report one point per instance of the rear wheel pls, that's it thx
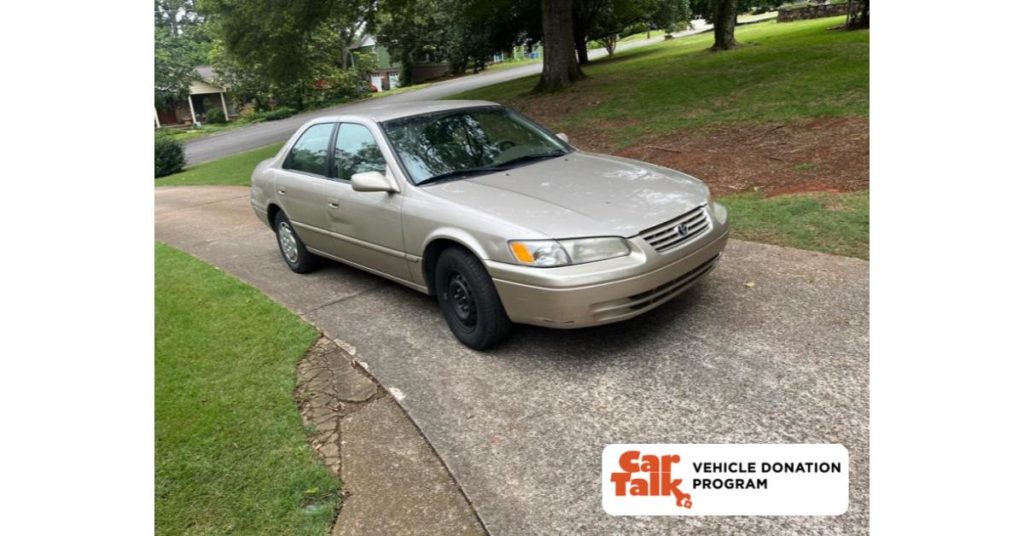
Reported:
(469, 301)
(293, 250)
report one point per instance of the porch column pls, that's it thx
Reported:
(192, 109)
(156, 117)
(224, 104)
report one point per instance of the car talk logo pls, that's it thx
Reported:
(662, 479)
(648, 475)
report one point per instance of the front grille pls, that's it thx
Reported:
(667, 236)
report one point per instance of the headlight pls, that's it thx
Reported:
(584, 250)
(539, 252)
(562, 252)
(720, 213)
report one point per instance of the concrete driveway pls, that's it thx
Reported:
(772, 347)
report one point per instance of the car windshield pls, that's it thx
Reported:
(460, 143)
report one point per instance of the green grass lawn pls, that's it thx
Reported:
(186, 134)
(231, 451)
(234, 170)
(826, 222)
(782, 72)
(641, 36)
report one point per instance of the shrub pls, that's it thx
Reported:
(248, 114)
(280, 113)
(215, 116)
(170, 157)
(635, 29)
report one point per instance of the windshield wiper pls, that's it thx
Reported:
(530, 157)
(462, 173)
(458, 174)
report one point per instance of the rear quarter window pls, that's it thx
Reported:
(310, 152)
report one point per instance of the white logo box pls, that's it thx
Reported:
(798, 480)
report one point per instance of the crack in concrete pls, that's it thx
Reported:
(342, 299)
(331, 389)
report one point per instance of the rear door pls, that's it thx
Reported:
(367, 225)
(299, 184)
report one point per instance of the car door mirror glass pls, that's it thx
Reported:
(371, 181)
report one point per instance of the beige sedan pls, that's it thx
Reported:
(502, 220)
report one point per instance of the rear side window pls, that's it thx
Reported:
(356, 151)
(310, 152)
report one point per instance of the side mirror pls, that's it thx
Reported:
(372, 181)
(563, 136)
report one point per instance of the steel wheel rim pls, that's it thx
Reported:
(460, 297)
(289, 244)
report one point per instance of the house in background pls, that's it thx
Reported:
(388, 69)
(205, 93)
(387, 72)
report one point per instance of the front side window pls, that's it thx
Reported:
(355, 151)
(459, 143)
(309, 154)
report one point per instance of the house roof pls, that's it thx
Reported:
(207, 74)
(366, 40)
(207, 83)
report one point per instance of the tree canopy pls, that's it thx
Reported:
(288, 50)
(301, 50)
(180, 44)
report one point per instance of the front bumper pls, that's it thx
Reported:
(607, 291)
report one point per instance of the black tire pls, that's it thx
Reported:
(294, 253)
(469, 301)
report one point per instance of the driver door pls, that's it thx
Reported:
(366, 226)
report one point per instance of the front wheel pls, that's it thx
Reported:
(469, 301)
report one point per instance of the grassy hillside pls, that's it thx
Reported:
(782, 72)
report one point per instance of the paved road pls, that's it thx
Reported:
(260, 134)
(522, 427)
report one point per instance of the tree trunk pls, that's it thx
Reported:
(346, 39)
(405, 75)
(609, 44)
(580, 38)
(560, 66)
(858, 20)
(724, 19)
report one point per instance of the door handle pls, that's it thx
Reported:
(282, 191)
(332, 204)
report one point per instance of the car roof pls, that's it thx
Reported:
(387, 111)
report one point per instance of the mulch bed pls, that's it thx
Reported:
(817, 155)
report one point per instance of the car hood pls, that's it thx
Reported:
(580, 194)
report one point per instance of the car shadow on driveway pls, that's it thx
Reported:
(602, 342)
